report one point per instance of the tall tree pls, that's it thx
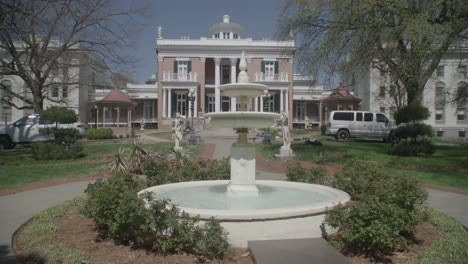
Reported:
(404, 38)
(39, 39)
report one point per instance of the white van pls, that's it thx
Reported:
(345, 124)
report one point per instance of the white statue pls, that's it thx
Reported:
(177, 131)
(286, 135)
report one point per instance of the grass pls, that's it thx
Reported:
(448, 166)
(161, 134)
(37, 239)
(38, 242)
(19, 168)
(450, 247)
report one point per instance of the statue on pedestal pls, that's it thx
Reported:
(178, 131)
(285, 128)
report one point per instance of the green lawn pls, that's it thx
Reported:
(448, 166)
(19, 168)
(161, 134)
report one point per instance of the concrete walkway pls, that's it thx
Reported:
(17, 208)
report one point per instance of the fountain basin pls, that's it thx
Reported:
(282, 210)
(243, 119)
(276, 199)
(243, 89)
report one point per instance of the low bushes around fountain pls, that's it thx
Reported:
(385, 212)
(156, 225)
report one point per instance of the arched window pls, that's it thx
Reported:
(462, 93)
(440, 94)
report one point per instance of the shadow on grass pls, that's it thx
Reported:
(7, 257)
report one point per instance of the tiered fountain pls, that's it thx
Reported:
(249, 209)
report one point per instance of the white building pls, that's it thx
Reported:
(82, 73)
(448, 118)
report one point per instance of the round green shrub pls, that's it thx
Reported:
(120, 214)
(412, 148)
(411, 113)
(413, 131)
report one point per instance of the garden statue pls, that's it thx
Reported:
(285, 150)
(285, 128)
(177, 131)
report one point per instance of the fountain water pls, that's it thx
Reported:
(249, 209)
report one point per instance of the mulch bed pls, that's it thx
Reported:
(79, 232)
(425, 235)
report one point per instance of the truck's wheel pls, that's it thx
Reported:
(6, 143)
(343, 134)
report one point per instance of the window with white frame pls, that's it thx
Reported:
(461, 114)
(269, 69)
(440, 72)
(382, 91)
(148, 109)
(182, 70)
(55, 91)
(269, 103)
(462, 94)
(225, 103)
(462, 71)
(440, 94)
(211, 103)
(440, 133)
(65, 91)
(181, 103)
(439, 114)
(462, 133)
(300, 110)
(7, 109)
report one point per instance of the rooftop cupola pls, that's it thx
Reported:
(225, 29)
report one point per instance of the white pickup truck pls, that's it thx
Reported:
(26, 130)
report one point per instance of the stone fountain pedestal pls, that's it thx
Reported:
(242, 170)
(285, 154)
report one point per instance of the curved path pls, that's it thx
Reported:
(16, 209)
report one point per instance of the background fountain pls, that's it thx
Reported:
(249, 209)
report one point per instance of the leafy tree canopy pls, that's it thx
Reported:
(404, 38)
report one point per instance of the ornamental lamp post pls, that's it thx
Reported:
(191, 98)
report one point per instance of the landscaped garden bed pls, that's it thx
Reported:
(448, 166)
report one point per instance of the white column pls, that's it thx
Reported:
(256, 104)
(164, 103)
(281, 101)
(189, 106)
(320, 112)
(261, 103)
(169, 102)
(97, 117)
(118, 117)
(233, 80)
(217, 83)
(195, 106)
(103, 116)
(286, 105)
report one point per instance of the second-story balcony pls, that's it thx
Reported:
(182, 77)
(262, 77)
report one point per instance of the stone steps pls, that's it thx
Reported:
(295, 251)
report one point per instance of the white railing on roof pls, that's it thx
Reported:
(262, 77)
(191, 76)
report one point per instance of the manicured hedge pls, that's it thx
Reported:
(99, 133)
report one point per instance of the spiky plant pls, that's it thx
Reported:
(179, 155)
(119, 161)
(137, 153)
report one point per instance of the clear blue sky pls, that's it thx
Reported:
(193, 18)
